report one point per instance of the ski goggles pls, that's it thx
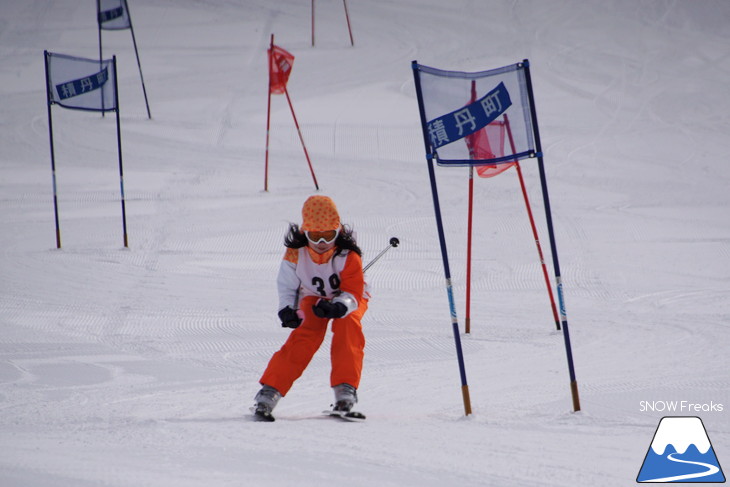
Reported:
(326, 236)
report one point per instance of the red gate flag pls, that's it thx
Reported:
(280, 64)
(488, 143)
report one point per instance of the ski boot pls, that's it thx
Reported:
(266, 400)
(345, 399)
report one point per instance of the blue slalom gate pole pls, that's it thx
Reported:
(119, 153)
(549, 219)
(139, 65)
(49, 101)
(442, 242)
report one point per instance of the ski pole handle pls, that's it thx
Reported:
(393, 243)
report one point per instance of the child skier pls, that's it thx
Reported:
(320, 279)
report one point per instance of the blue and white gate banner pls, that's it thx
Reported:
(457, 104)
(465, 121)
(80, 83)
(113, 14)
(80, 86)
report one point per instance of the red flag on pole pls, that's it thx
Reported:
(488, 143)
(280, 65)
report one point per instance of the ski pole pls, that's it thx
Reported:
(393, 243)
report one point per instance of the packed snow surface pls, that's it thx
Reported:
(137, 366)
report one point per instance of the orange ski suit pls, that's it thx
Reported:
(348, 342)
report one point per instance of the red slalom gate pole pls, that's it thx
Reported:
(296, 123)
(467, 319)
(534, 228)
(268, 119)
(268, 125)
(539, 248)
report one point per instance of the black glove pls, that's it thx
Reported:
(328, 309)
(289, 318)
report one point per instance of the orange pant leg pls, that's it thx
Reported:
(348, 348)
(288, 364)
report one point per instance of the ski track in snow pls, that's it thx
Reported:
(137, 366)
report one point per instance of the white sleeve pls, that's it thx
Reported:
(288, 283)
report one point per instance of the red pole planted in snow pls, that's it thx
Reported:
(534, 228)
(296, 123)
(539, 249)
(472, 155)
(467, 319)
(268, 118)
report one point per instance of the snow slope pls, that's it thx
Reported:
(136, 367)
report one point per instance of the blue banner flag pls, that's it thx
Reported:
(84, 85)
(108, 15)
(80, 83)
(458, 105)
(465, 121)
(113, 14)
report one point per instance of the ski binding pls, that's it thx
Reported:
(262, 416)
(353, 416)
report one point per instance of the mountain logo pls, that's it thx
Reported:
(680, 452)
